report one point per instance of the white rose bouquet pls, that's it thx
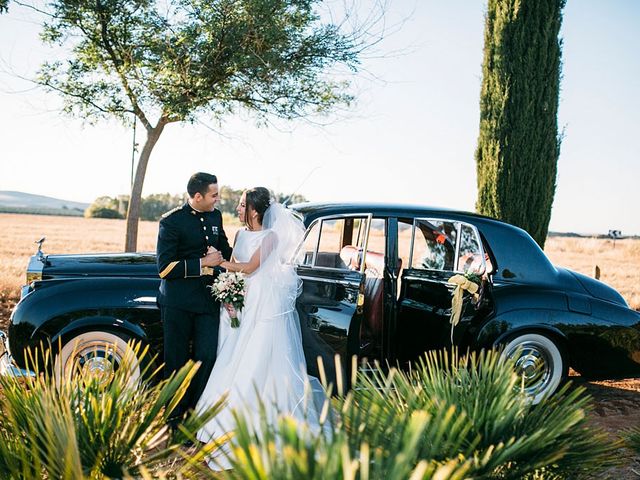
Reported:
(229, 288)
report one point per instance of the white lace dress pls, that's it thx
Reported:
(263, 357)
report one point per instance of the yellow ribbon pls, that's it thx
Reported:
(462, 284)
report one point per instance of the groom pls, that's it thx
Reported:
(190, 316)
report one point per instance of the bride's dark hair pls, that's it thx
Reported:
(257, 199)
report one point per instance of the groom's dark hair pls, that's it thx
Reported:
(199, 183)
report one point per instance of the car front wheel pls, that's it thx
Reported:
(539, 362)
(96, 354)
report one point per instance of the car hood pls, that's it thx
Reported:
(100, 265)
(596, 288)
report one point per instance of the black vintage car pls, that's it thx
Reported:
(375, 285)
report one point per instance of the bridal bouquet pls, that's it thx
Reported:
(229, 288)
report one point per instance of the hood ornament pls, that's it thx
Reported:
(39, 253)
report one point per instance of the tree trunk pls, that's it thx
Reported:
(133, 213)
(519, 145)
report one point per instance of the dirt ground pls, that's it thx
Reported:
(616, 408)
(616, 405)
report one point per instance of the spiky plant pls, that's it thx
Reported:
(631, 438)
(495, 426)
(451, 417)
(94, 427)
(289, 450)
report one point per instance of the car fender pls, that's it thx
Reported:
(594, 347)
(502, 326)
(61, 305)
(101, 323)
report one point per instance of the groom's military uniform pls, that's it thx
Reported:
(190, 315)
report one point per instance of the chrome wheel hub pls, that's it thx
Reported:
(96, 362)
(534, 365)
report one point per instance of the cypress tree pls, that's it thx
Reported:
(519, 144)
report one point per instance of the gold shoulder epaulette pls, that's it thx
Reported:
(173, 210)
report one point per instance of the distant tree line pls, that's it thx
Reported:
(153, 206)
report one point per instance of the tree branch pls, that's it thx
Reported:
(83, 98)
(117, 65)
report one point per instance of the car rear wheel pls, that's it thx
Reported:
(97, 354)
(540, 363)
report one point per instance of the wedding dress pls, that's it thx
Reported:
(262, 361)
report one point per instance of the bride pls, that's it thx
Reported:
(262, 361)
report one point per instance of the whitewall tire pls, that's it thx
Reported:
(540, 361)
(96, 353)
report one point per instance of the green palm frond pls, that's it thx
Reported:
(95, 427)
(450, 417)
(494, 426)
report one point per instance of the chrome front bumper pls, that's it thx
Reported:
(7, 367)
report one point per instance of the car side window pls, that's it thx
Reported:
(334, 243)
(434, 245)
(307, 249)
(470, 254)
(329, 247)
(446, 245)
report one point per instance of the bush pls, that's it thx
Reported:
(155, 205)
(451, 417)
(93, 427)
(102, 212)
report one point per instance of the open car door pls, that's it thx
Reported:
(439, 249)
(331, 264)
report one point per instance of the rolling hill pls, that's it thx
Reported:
(21, 202)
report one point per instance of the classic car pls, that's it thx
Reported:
(375, 285)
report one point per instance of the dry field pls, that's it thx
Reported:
(620, 265)
(64, 235)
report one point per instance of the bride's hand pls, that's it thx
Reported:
(230, 310)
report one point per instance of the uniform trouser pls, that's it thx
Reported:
(194, 336)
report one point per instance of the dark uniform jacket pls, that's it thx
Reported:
(183, 239)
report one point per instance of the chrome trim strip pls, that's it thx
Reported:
(413, 236)
(34, 269)
(7, 367)
(4, 347)
(25, 290)
(351, 283)
(456, 255)
(145, 300)
(449, 286)
(366, 242)
(315, 250)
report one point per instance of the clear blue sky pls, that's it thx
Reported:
(410, 137)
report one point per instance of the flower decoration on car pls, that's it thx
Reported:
(469, 282)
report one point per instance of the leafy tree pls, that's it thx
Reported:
(519, 145)
(102, 212)
(290, 198)
(104, 207)
(153, 206)
(167, 62)
(229, 198)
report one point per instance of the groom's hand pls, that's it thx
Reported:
(212, 259)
